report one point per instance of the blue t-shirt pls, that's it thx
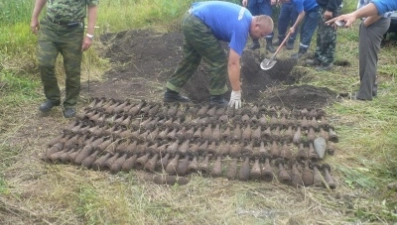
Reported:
(228, 22)
(384, 6)
(304, 5)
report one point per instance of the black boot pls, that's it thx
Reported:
(48, 105)
(299, 54)
(218, 100)
(278, 42)
(269, 45)
(173, 96)
(255, 44)
(289, 45)
(69, 112)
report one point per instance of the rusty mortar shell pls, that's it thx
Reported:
(244, 173)
(307, 175)
(217, 167)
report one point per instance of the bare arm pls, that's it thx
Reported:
(92, 17)
(34, 23)
(366, 11)
(298, 20)
(233, 69)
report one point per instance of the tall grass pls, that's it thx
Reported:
(126, 14)
(15, 37)
(16, 11)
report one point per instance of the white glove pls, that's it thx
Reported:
(235, 99)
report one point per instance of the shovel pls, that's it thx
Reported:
(267, 64)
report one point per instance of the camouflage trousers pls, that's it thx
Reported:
(52, 40)
(326, 41)
(200, 43)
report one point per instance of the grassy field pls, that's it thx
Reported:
(32, 192)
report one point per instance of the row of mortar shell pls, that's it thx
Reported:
(246, 135)
(115, 159)
(213, 131)
(103, 102)
(126, 120)
(207, 133)
(125, 106)
(198, 135)
(180, 148)
(174, 110)
(151, 123)
(261, 170)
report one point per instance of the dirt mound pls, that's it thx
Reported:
(144, 60)
(304, 96)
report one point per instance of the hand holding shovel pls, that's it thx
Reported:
(267, 64)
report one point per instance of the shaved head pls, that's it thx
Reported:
(265, 23)
(261, 26)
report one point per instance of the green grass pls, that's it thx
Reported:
(3, 186)
(15, 11)
(17, 89)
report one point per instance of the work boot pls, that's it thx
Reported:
(313, 62)
(218, 100)
(269, 45)
(69, 112)
(323, 67)
(299, 54)
(278, 42)
(255, 44)
(289, 46)
(48, 105)
(172, 96)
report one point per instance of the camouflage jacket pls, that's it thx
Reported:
(68, 10)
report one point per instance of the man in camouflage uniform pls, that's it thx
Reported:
(203, 26)
(326, 35)
(62, 31)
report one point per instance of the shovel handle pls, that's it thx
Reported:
(282, 43)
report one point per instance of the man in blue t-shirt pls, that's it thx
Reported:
(309, 13)
(203, 26)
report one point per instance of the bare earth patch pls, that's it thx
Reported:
(145, 60)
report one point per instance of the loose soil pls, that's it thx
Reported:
(143, 61)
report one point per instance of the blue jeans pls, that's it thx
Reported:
(261, 7)
(288, 15)
(308, 27)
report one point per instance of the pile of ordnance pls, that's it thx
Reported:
(256, 142)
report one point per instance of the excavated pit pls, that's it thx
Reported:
(143, 60)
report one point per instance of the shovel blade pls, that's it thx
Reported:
(267, 64)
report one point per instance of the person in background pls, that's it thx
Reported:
(287, 17)
(261, 7)
(371, 33)
(326, 35)
(309, 14)
(61, 30)
(203, 26)
(375, 7)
